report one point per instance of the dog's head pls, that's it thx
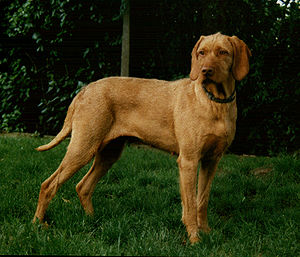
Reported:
(216, 57)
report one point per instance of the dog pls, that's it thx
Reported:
(193, 117)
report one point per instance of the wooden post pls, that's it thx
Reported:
(125, 40)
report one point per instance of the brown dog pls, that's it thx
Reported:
(193, 117)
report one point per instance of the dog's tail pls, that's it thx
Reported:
(65, 131)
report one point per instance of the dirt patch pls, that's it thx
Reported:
(261, 171)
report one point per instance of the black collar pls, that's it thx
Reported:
(219, 100)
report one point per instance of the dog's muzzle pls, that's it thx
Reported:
(229, 99)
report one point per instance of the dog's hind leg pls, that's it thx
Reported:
(104, 159)
(80, 151)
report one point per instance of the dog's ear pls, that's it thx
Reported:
(195, 67)
(241, 54)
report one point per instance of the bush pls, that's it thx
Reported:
(52, 48)
(53, 51)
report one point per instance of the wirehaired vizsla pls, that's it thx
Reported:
(193, 117)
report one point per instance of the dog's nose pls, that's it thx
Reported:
(207, 71)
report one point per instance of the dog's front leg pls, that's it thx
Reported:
(206, 175)
(188, 180)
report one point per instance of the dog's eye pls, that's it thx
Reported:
(201, 52)
(223, 52)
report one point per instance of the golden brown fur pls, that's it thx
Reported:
(174, 116)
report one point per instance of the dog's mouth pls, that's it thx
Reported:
(208, 83)
(215, 91)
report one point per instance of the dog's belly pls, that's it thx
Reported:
(155, 130)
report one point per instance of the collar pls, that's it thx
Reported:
(219, 100)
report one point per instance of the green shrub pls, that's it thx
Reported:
(50, 49)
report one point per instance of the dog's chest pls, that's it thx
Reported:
(223, 121)
(217, 136)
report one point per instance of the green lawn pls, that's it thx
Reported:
(253, 210)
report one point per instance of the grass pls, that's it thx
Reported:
(253, 210)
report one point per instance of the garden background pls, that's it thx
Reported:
(50, 49)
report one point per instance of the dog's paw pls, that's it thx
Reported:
(194, 239)
(205, 229)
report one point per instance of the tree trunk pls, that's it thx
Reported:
(125, 40)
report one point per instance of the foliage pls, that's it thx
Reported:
(138, 208)
(56, 57)
(50, 49)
